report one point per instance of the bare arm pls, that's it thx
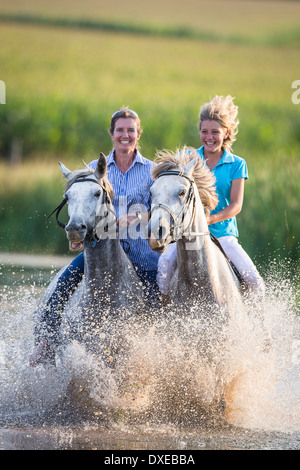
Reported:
(235, 206)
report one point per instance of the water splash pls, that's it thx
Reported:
(174, 373)
(266, 393)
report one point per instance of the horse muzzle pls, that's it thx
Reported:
(76, 234)
(157, 245)
(159, 238)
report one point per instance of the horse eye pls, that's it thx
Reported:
(97, 194)
(182, 192)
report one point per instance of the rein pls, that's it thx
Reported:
(177, 220)
(57, 211)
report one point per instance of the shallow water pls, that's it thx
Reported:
(166, 395)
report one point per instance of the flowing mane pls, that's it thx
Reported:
(90, 172)
(203, 177)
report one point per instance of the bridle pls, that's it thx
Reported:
(93, 235)
(176, 230)
(177, 220)
(57, 210)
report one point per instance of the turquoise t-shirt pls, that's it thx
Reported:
(229, 168)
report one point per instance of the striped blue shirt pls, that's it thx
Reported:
(131, 194)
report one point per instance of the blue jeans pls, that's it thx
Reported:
(66, 286)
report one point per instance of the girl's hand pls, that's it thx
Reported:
(208, 219)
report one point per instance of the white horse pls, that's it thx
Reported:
(206, 312)
(183, 190)
(110, 292)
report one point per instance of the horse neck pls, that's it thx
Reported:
(194, 255)
(106, 258)
(201, 266)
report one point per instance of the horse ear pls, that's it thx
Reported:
(101, 166)
(66, 173)
(189, 167)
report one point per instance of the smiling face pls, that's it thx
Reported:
(125, 135)
(212, 135)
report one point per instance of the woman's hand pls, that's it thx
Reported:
(126, 219)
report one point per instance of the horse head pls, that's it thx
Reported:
(173, 197)
(87, 202)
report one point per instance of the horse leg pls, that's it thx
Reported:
(50, 315)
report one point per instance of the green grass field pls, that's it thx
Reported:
(256, 21)
(64, 80)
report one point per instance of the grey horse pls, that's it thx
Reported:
(110, 294)
(183, 190)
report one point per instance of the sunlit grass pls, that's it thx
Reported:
(71, 82)
(62, 86)
(93, 66)
(248, 20)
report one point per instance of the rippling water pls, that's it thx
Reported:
(168, 394)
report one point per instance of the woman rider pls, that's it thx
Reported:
(130, 176)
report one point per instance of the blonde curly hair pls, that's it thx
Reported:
(224, 111)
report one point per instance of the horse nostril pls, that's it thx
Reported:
(75, 227)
